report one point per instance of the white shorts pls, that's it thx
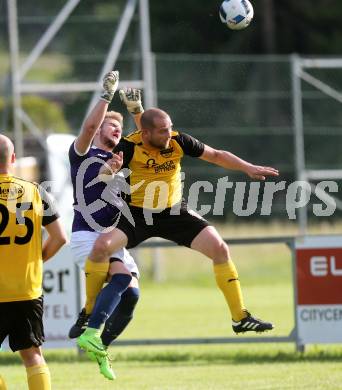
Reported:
(82, 243)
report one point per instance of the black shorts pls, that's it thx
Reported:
(22, 322)
(181, 228)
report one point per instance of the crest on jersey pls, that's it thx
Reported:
(167, 152)
(10, 190)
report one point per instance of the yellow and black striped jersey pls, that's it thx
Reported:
(24, 209)
(155, 179)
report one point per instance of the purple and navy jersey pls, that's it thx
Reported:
(91, 211)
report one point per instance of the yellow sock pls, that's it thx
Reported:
(227, 280)
(96, 274)
(38, 377)
(2, 384)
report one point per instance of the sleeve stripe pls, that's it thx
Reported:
(79, 153)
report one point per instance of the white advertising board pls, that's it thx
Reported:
(319, 289)
(60, 299)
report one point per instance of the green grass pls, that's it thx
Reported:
(201, 367)
(171, 311)
(256, 264)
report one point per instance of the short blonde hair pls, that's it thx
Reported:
(114, 115)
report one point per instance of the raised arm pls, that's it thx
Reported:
(228, 160)
(131, 98)
(97, 114)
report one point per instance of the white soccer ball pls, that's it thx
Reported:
(236, 14)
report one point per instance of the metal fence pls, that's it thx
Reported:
(243, 104)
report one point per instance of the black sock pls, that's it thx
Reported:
(121, 316)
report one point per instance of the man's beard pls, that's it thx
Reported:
(108, 142)
(160, 146)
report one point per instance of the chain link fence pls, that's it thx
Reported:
(244, 104)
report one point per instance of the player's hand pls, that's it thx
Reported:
(110, 84)
(131, 97)
(115, 163)
(257, 172)
(110, 167)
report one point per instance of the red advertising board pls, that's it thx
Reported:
(319, 289)
(319, 276)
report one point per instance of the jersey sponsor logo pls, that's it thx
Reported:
(150, 163)
(158, 168)
(167, 152)
(102, 155)
(11, 191)
(165, 167)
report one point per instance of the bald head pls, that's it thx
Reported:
(156, 128)
(6, 151)
(152, 117)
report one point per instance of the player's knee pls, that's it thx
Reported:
(32, 356)
(221, 251)
(101, 249)
(120, 282)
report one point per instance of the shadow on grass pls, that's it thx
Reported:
(223, 357)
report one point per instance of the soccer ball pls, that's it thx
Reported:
(236, 14)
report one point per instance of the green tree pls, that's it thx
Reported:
(46, 115)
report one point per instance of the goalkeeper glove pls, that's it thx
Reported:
(110, 84)
(131, 97)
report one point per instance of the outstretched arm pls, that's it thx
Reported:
(230, 161)
(131, 98)
(97, 114)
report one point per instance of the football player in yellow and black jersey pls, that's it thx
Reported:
(24, 209)
(154, 157)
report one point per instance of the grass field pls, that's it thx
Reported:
(169, 311)
(200, 367)
(188, 304)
